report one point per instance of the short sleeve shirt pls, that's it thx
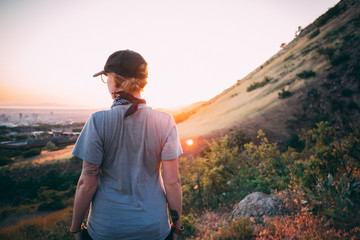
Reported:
(130, 202)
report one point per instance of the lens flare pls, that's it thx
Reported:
(189, 142)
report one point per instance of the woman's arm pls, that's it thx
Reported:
(85, 191)
(172, 185)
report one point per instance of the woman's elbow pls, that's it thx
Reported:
(173, 181)
(87, 185)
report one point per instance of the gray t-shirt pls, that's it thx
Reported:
(130, 202)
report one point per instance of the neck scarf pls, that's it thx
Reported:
(124, 98)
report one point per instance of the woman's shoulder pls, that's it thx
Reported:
(159, 113)
(97, 116)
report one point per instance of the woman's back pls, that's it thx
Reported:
(130, 197)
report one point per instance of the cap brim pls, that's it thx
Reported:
(99, 73)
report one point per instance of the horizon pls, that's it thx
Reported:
(194, 50)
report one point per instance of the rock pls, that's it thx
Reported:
(258, 205)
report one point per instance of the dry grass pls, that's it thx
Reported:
(209, 222)
(47, 156)
(53, 226)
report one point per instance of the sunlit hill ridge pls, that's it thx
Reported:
(313, 77)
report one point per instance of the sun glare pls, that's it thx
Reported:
(189, 142)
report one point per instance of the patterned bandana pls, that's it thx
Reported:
(124, 99)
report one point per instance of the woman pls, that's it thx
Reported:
(122, 150)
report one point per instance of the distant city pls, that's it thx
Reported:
(12, 117)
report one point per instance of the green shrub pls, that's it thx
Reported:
(329, 52)
(256, 85)
(189, 223)
(306, 74)
(50, 146)
(346, 92)
(356, 21)
(309, 49)
(32, 152)
(329, 175)
(340, 59)
(317, 118)
(284, 94)
(332, 76)
(239, 229)
(337, 105)
(353, 106)
(314, 33)
(289, 57)
(7, 185)
(295, 143)
(238, 139)
(4, 160)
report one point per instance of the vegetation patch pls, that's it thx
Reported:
(237, 229)
(335, 34)
(329, 52)
(314, 33)
(290, 57)
(284, 94)
(340, 59)
(319, 166)
(32, 152)
(306, 74)
(309, 49)
(331, 13)
(256, 85)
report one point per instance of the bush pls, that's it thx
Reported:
(330, 178)
(284, 94)
(346, 92)
(32, 152)
(340, 59)
(237, 229)
(329, 52)
(306, 74)
(309, 49)
(302, 226)
(337, 105)
(188, 221)
(256, 85)
(289, 57)
(50, 146)
(4, 160)
(353, 106)
(332, 76)
(238, 139)
(295, 143)
(314, 33)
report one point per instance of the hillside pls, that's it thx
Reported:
(314, 77)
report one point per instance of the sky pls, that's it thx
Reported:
(195, 49)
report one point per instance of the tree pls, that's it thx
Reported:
(50, 146)
(298, 31)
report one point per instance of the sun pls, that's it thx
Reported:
(189, 142)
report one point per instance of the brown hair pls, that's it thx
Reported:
(131, 84)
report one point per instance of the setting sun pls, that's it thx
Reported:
(189, 142)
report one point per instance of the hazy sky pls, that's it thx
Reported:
(50, 49)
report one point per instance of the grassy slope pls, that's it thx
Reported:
(262, 107)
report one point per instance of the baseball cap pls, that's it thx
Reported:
(124, 63)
